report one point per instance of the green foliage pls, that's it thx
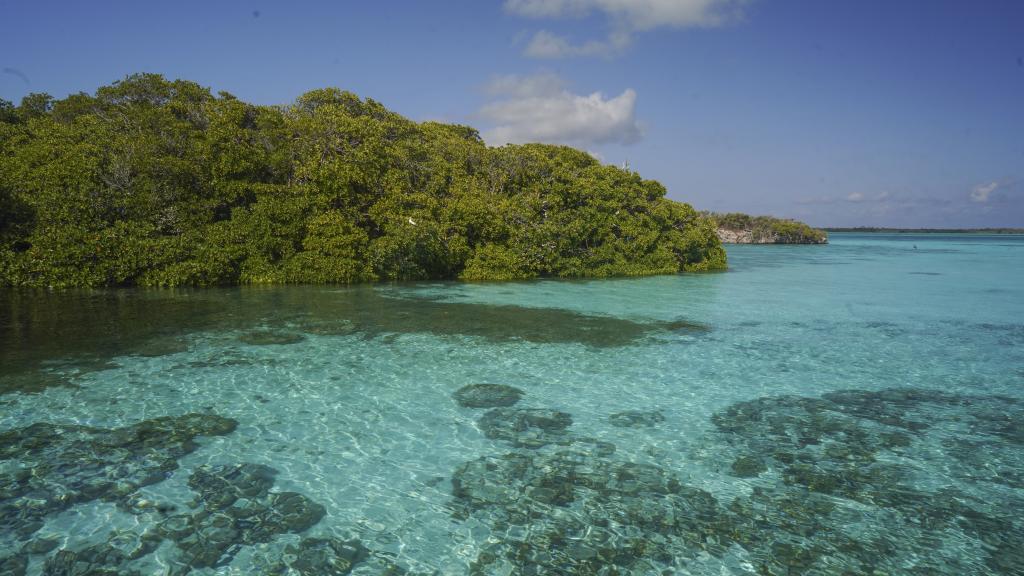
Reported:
(331, 252)
(160, 183)
(8, 113)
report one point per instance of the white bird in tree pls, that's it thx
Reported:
(411, 221)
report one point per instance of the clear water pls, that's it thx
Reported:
(856, 407)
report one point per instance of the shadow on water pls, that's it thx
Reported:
(373, 314)
(49, 338)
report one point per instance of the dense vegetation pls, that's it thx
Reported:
(765, 228)
(160, 183)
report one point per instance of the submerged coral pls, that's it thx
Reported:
(49, 468)
(270, 337)
(852, 482)
(333, 557)
(889, 455)
(526, 427)
(904, 481)
(571, 513)
(487, 395)
(53, 467)
(636, 419)
(237, 509)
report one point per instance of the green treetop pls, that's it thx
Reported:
(160, 183)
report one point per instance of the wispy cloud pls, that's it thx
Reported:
(635, 14)
(990, 203)
(982, 192)
(541, 108)
(884, 198)
(546, 44)
(625, 18)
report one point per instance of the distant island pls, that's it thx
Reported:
(738, 228)
(152, 182)
(931, 230)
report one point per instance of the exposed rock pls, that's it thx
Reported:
(727, 236)
(739, 228)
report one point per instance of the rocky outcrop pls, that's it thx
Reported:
(728, 236)
(737, 228)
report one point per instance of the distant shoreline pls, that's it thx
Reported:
(930, 230)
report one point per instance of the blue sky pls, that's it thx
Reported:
(894, 113)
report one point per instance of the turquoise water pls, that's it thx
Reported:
(851, 408)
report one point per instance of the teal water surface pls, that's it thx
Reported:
(854, 408)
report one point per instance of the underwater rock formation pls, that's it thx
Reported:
(107, 558)
(238, 509)
(234, 508)
(567, 513)
(487, 395)
(888, 455)
(53, 466)
(333, 557)
(636, 419)
(48, 468)
(270, 338)
(526, 427)
(13, 565)
(853, 482)
(748, 466)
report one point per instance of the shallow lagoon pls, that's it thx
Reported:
(854, 407)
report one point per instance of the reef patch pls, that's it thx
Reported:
(487, 395)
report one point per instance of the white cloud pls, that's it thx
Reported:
(981, 192)
(513, 86)
(541, 109)
(545, 44)
(855, 197)
(635, 14)
(548, 8)
(625, 17)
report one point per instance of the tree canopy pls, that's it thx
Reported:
(154, 182)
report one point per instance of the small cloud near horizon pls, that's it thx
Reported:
(982, 192)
